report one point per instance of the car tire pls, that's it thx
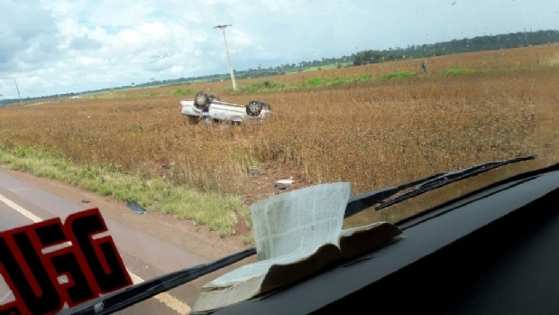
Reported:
(202, 101)
(254, 108)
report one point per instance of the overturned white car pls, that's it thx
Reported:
(208, 108)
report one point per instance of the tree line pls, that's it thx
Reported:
(480, 43)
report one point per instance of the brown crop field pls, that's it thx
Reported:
(384, 129)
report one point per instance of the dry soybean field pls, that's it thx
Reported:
(372, 125)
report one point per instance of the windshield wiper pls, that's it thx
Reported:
(137, 293)
(448, 178)
(363, 201)
(383, 198)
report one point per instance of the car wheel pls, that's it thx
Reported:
(254, 108)
(202, 101)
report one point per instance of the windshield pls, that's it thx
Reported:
(173, 118)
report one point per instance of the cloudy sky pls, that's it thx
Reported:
(57, 46)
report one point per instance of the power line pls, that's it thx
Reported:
(227, 55)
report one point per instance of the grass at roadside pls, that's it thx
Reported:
(217, 211)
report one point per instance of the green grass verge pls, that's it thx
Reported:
(328, 66)
(320, 82)
(217, 211)
(398, 75)
(184, 92)
(309, 84)
(264, 86)
(457, 71)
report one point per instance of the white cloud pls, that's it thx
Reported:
(73, 45)
(24, 44)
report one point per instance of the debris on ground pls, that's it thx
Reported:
(253, 171)
(284, 183)
(135, 207)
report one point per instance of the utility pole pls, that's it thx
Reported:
(231, 71)
(17, 89)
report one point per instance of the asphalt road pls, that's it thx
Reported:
(142, 240)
